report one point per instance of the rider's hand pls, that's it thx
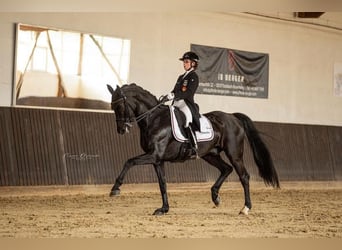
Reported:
(163, 99)
(170, 96)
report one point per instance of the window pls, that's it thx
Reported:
(56, 67)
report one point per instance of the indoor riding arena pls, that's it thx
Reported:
(61, 147)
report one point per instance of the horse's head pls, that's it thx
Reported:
(123, 113)
(131, 103)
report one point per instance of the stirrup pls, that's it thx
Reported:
(194, 153)
(195, 156)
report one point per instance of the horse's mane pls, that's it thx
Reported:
(138, 92)
(135, 89)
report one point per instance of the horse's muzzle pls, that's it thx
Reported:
(125, 128)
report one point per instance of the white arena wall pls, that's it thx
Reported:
(301, 69)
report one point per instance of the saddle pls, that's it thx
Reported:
(205, 134)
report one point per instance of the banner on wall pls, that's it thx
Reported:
(231, 72)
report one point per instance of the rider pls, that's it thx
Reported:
(183, 96)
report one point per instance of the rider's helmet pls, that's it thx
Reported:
(191, 56)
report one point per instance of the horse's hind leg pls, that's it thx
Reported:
(244, 179)
(234, 151)
(225, 169)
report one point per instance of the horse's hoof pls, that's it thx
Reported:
(217, 201)
(159, 212)
(115, 192)
(244, 211)
(215, 196)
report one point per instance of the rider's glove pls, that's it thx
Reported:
(163, 99)
(170, 96)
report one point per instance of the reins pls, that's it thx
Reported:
(142, 116)
(127, 117)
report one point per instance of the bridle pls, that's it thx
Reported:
(127, 119)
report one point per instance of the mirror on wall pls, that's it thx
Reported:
(67, 69)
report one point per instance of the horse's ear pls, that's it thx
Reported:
(111, 90)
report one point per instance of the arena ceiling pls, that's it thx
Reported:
(303, 6)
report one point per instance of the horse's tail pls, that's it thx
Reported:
(262, 156)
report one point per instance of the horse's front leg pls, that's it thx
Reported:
(160, 170)
(138, 160)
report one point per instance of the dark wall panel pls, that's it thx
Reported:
(61, 147)
(320, 158)
(6, 149)
(335, 139)
(286, 143)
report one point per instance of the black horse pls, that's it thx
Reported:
(133, 103)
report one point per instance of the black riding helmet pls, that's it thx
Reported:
(191, 56)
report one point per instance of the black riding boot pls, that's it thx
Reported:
(193, 142)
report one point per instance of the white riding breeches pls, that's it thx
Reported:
(181, 104)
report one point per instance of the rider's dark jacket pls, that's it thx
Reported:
(185, 88)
